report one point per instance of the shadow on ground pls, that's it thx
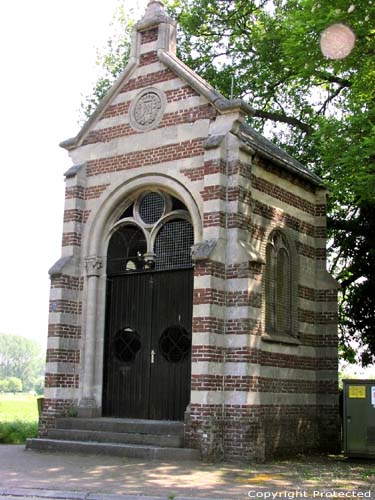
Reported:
(134, 477)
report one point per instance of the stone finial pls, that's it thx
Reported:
(154, 8)
(154, 15)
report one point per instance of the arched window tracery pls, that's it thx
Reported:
(153, 232)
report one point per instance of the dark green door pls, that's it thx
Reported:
(171, 342)
(148, 345)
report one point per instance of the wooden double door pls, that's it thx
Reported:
(147, 366)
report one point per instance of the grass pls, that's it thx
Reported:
(18, 418)
(368, 474)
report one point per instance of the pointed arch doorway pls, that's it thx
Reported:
(147, 358)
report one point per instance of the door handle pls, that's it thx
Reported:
(153, 356)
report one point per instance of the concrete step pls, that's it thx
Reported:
(117, 437)
(118, 450)
(127, 425)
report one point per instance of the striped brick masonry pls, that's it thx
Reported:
(256, 392)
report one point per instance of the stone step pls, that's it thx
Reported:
(117, 437)
(119, 425)
(118, 450)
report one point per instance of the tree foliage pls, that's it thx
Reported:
(111, 59)
(11, 384)
(320, 110)
(21, 358)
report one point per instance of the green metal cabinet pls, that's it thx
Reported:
(359, 418)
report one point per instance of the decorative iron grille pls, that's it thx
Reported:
(174, 344)
(151, 208)
(126, 344)
(132, 247)
(173, 244)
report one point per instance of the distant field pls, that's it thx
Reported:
(18, 407)
(18, 417)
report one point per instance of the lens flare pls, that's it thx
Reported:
(337, 41)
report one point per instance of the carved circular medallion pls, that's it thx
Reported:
(147, 109)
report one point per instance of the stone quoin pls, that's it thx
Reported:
(168, 183)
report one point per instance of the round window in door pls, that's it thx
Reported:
(174, 344)
(126, 344)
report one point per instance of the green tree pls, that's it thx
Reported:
(11, 384)
(21, 358)
(320, 110)
(14, 384)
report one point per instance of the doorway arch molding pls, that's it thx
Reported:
(101, 220)
(94, 247)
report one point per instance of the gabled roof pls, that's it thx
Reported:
(221, 103)
(270, 151)
(155, 16)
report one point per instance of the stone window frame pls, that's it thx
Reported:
(280, 244)
(150, 231)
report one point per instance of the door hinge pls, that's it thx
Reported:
(152, 356)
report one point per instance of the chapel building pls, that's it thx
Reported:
(192, 285)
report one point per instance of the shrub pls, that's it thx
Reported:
(17, 431)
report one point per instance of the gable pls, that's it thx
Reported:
(153, 64)
(156, 82)
(153, 98)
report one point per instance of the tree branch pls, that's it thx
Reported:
(348, 225)
(343, 82)
(330, 98)
(335, 262)
(349, 281)
(282, 118)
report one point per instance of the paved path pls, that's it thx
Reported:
(115, 475)
(28, 475)
(30, 494)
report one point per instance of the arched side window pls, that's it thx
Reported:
(278, 289)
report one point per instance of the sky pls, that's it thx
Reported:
(48, 55)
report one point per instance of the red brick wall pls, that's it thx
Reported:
(189, 115)
(53, 408)
(149, 36)
(258, 432)
(171, 152)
